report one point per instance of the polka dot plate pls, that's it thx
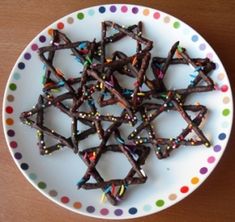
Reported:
(169, 180)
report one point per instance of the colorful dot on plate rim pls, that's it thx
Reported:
(172, 196)
(184, 189)
(42, 185)
(90, 209)
(167, 19)
(146, 11)
(156, 15)
(80, 16)
(42, 38)
(160, 203)
(65, 199)
(24, 166)
(102, 9)
(217, 148)
(176, 24)
(32, 176)
(211, 159)
(195, 180)
(53, 193)
(9, 121)
(13, 144)
(203, 170)
(34, 47)
(209, 55)
(91, 12)
(10, 98)
(135, 10)
(27, 56)
(12, 86)
(11, 133)
(77, 205)
(226, 112)
(50, 31)
(202, 46)
(147, 207)
(124, 9)
(113, 8)
(60, 25)
(104, 211)
(195, 38)
(16, 76)
(220, 76)
(118, 212)
(70, 20)
(224, 88)
(18, 155)
(222, 136)
(132, 210)
(21, 65)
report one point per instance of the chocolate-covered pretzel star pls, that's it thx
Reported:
(44, 103)
(163, 146)
(201, 69)
(115, 189)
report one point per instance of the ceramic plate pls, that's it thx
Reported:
(169, 180)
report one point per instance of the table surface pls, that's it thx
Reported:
(213, 201)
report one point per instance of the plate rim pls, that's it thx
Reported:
(110, 216)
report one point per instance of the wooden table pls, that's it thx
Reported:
(21, 20)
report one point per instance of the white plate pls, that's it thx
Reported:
(169, 180)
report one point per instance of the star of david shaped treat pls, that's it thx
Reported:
(44, 131)
(134, 66)
(114, 189)
(163, 146)
(54, 78)
(201, 69)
